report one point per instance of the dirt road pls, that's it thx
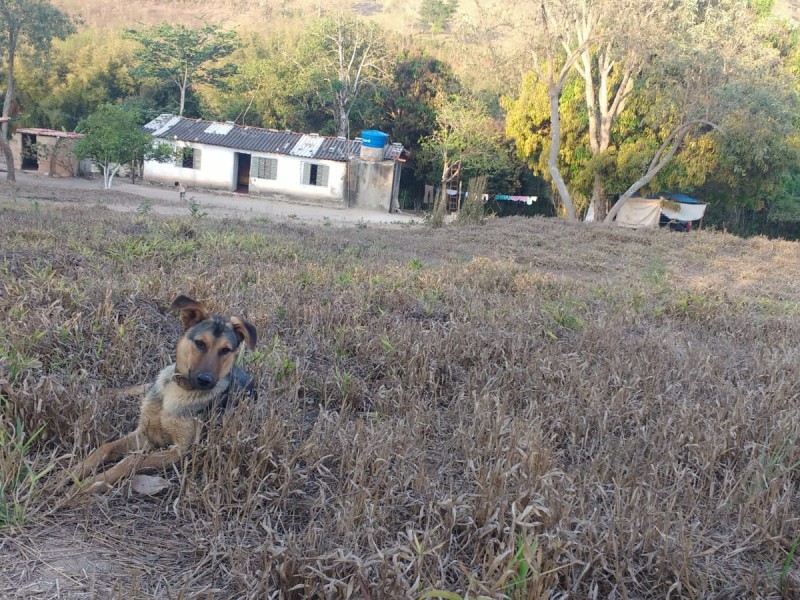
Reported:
(127, 197)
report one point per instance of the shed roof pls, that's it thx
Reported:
(50, 132)
(258, 139)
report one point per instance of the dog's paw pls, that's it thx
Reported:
(95, 487)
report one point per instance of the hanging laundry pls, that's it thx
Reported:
(522, 199)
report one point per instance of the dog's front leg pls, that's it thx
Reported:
(135, 463)
(108, 452)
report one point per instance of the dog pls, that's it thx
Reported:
(203, 377)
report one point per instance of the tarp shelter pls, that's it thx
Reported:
(689, 209)
(649, 212)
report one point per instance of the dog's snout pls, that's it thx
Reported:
(205, 381)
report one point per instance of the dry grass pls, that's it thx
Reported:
(526, 409)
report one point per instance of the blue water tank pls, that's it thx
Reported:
(374, 139)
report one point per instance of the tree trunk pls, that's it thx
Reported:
(183, 85)
(183, 101)
(7, 102)
(9, 158)
(344, 124)
(555, 145)
(663, 155)
(108, 175)
(342, 116)
(440, 202)
(599, 199)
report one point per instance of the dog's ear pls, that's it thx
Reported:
(245, 332)
(190, 311)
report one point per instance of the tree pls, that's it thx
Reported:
(437, 13)
(31, 24)
(273, 87)
(113, 139)
(719, 80)
(183, 56)
(343, 55)
(528, 124)
(90, 69)
(690, 66)
(405, 103)
(465, 142)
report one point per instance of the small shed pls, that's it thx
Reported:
(46, 151)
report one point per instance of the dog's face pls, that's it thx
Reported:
(207, 349)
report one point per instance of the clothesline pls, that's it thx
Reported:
(506, 198)
(431, 191)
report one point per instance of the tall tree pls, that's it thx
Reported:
(405, 102)
(689, 63)
(183, 56)
(344, 55)
(528, 124)
(26, 24)
(719, 79)
(113, 138)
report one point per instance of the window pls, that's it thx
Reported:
(314, 174)
(265, 168)
(188, 158)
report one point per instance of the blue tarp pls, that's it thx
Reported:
(682, 198)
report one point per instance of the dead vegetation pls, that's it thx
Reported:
(525, 409)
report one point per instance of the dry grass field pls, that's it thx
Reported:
(525, 409)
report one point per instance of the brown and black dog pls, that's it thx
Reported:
(203, 376)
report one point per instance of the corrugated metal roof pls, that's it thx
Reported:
(307, 146)
(257, 139)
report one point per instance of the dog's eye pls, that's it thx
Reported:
(225, 351)
(200, 345)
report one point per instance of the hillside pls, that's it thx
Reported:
(530, 408)
(397, 16)
(401, 17)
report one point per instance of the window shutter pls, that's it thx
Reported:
(306, 175)
(196, 161)
(322, 175)
(272, 171)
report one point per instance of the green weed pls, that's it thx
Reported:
(194, 209)
(19, 474)
(415, 264)
(144, 208)
(523, 565)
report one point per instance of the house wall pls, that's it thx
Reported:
(289, 179)
(218, 170)
(54, 154)
(374, 184)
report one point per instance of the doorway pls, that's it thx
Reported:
(30, 155)
(242, 173)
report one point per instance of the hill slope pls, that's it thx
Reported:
(615, 409)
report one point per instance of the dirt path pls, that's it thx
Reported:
(164, 200)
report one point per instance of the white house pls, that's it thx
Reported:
(303, 167)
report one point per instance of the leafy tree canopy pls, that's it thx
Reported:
(183, 56)
(113, 138)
